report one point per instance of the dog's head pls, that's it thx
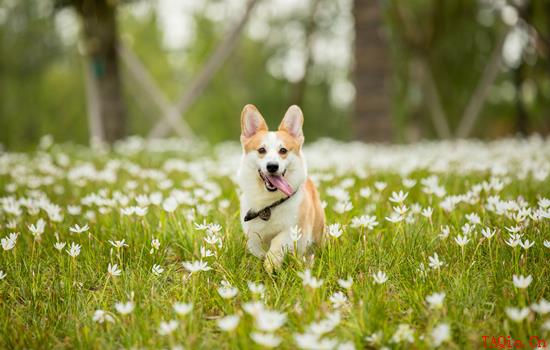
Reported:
(273, 158)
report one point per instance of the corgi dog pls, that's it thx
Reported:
(280, 206)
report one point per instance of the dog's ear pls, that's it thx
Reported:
(293, 121)
(251, 121)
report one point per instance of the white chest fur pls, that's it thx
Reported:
(283, 218)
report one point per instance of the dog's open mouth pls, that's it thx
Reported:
(276, 182)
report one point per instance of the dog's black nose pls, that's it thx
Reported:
(272, 167)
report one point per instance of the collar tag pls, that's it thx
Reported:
(265, 214)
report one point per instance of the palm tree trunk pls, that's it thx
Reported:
(372, 120)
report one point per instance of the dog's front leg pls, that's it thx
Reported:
(278, 247)
(254, 245)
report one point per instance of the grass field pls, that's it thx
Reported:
(430, 245)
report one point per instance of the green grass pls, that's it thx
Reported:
(48, 299)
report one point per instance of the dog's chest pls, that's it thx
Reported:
(282, 218)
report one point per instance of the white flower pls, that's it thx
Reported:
(196, 266)
(544, 203)
(206, 253)
(445, 230)
(74, 210)
(514, 229)
(2, 275)
(155, 245)
(462, 240)
(542, 307)
(427, 212)
(517, 314)
(473, 218)
(380, 185)
(59, 245)
(213, 239)
(346, 284)
(74, 249)
(170, 205)
(118, 244)
(398, 197)
(467, 229)
(266, 339)
(124, 308)
(440, 334)
(380, 277)
(269, 321)
(395, 218)
(227, 292)
(8, 244)
(78, 229)
(366, 221)
(326, 325)
(335, 230)
(346, 346)
(342, 206)
(309, 280)
(401, 210)
(546, 243)
(113, 270)
(228, 323)
(521, 281)
(488, 233)
(404, 333)
(434, 262)
(435, 300)
(295, 233)
(183, 309)
(256, 288)
(157, 270)
(128, 211)
(140, 211)
(101, 316)
(338, 299)
(166, 328)
(513, 242)
(375, 338)
(309, 341)
(253, 308)
(365, 192)
(37, 229)
(526, 244)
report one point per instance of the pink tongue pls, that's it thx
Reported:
(281, 183)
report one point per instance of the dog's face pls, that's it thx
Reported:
(273, 158)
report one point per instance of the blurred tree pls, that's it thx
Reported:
(107, 108)
(372, 120)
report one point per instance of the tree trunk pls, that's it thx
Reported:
(522, 118)
(101, 40)
(372, 120)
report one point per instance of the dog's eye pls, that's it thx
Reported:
(261, 150)
(283, 150)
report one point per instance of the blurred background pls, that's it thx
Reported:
(378, 71)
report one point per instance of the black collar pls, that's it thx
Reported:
(265, 213)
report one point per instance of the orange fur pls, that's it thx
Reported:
(290, 142)
(254, 142)
(312, 215)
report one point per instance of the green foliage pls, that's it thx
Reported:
(43, 87)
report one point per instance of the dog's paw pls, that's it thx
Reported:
(268, 266)
(272, 263)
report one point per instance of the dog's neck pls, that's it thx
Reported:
(258, 201)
